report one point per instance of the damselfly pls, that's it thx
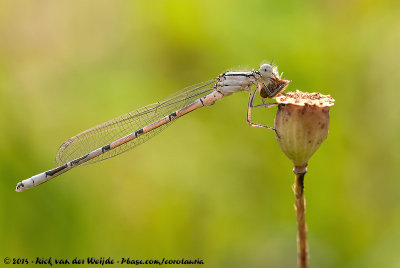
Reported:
(132, 129)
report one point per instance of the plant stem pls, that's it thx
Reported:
(300, 207)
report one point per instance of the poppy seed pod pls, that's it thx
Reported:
(301, 124)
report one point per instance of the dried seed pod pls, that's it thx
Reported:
(301, 125)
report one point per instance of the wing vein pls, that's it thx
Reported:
(114, 129)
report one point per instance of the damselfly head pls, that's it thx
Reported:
(271, 83)
(268, 71)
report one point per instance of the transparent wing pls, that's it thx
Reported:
(105, 133)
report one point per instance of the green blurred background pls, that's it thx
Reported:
(208, 187)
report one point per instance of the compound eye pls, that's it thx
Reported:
(267, 70)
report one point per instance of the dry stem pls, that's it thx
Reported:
(300, 207)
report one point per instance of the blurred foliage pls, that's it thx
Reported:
(209, 187)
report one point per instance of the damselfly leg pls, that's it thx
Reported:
(251, 105)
